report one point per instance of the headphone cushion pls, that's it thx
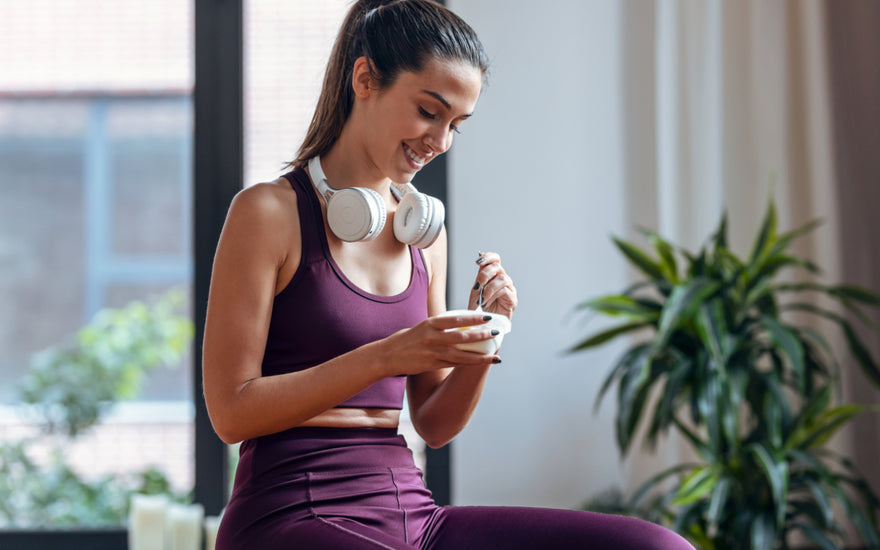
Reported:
(418, 220)
(356, 214)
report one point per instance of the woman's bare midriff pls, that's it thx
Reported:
(355, 418)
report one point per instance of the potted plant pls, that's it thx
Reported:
(716, 357)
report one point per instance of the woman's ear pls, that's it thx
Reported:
(361, 78)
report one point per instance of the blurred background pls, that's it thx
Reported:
(599, 117)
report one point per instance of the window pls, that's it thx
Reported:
(98, 203)
(95, 215)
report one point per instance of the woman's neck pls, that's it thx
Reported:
(347, 164)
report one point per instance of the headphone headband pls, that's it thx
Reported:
(320, 179)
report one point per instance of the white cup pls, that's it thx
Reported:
(498, 322)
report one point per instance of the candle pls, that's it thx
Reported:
(146, 522)
(184, 527)
(212, 524)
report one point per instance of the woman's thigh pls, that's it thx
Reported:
(510, 528)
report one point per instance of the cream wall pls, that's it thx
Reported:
(537, 176)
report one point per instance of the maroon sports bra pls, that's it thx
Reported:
(321, 314)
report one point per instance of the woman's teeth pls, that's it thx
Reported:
(415, 158)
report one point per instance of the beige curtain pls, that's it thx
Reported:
(730, 103)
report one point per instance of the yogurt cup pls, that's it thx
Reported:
(498, 322)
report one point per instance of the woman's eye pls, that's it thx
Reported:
(431, 116)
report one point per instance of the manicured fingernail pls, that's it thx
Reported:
(495, 332)
(496, 360)
(481, 260)
(477, 286)
(487, 317)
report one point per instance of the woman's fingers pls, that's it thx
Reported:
(444, 322)
(493, 289)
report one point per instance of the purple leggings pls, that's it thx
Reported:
(333, 488)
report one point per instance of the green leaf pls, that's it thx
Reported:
(649, 486)
(718, 503)
(682, 303)
(699, 445)
(818, 536)
(763, 533)
(861, 353)
(621, 305)
(773, 419)
(772, 265)
(785, 239)
(719, 238)
(807, 418)
(607, 335)
(776, 473)
(711, 328)
(766, 238)
(696, 486)
(826, 425)
(788, 341)
(856, 293)
(639, 259)
(666, 252)
(822, 501)
(631, 396)
(866, 528)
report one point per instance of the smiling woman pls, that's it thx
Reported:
(312, 337)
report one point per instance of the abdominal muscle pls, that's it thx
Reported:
(355, 418)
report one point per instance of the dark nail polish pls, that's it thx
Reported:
(496, 360)
(477, 286)
(481, 260)
(487, 317)
(495, 332)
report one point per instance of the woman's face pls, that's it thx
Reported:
(414, 120)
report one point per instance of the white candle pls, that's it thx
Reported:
(146, 522)
(184, 527)
(212, 524)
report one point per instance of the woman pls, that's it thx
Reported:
(313, 331)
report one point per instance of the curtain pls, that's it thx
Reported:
(854, 68)
(729, 104)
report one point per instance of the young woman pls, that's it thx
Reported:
(315, 328)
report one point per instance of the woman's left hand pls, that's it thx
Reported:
(498, 292)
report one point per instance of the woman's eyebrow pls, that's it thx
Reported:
(444, 101)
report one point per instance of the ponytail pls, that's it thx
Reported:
(395, 35)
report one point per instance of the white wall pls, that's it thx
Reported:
(538, 176)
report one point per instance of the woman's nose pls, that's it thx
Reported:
(438, 141)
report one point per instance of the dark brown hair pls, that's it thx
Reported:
(396, 36)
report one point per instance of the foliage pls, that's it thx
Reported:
(71, 386)
(750, 390)
(67, 390)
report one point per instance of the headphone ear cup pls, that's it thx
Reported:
(356, 214)
(419, 219)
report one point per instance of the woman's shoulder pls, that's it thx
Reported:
(269, 199)
(266, 213)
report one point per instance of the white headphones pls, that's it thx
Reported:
(358, 213)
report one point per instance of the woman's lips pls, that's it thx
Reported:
(414, 159)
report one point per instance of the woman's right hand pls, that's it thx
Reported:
(431, 345)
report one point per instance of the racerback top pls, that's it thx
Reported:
(321, 314)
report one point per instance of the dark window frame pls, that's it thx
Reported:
(218, 175)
